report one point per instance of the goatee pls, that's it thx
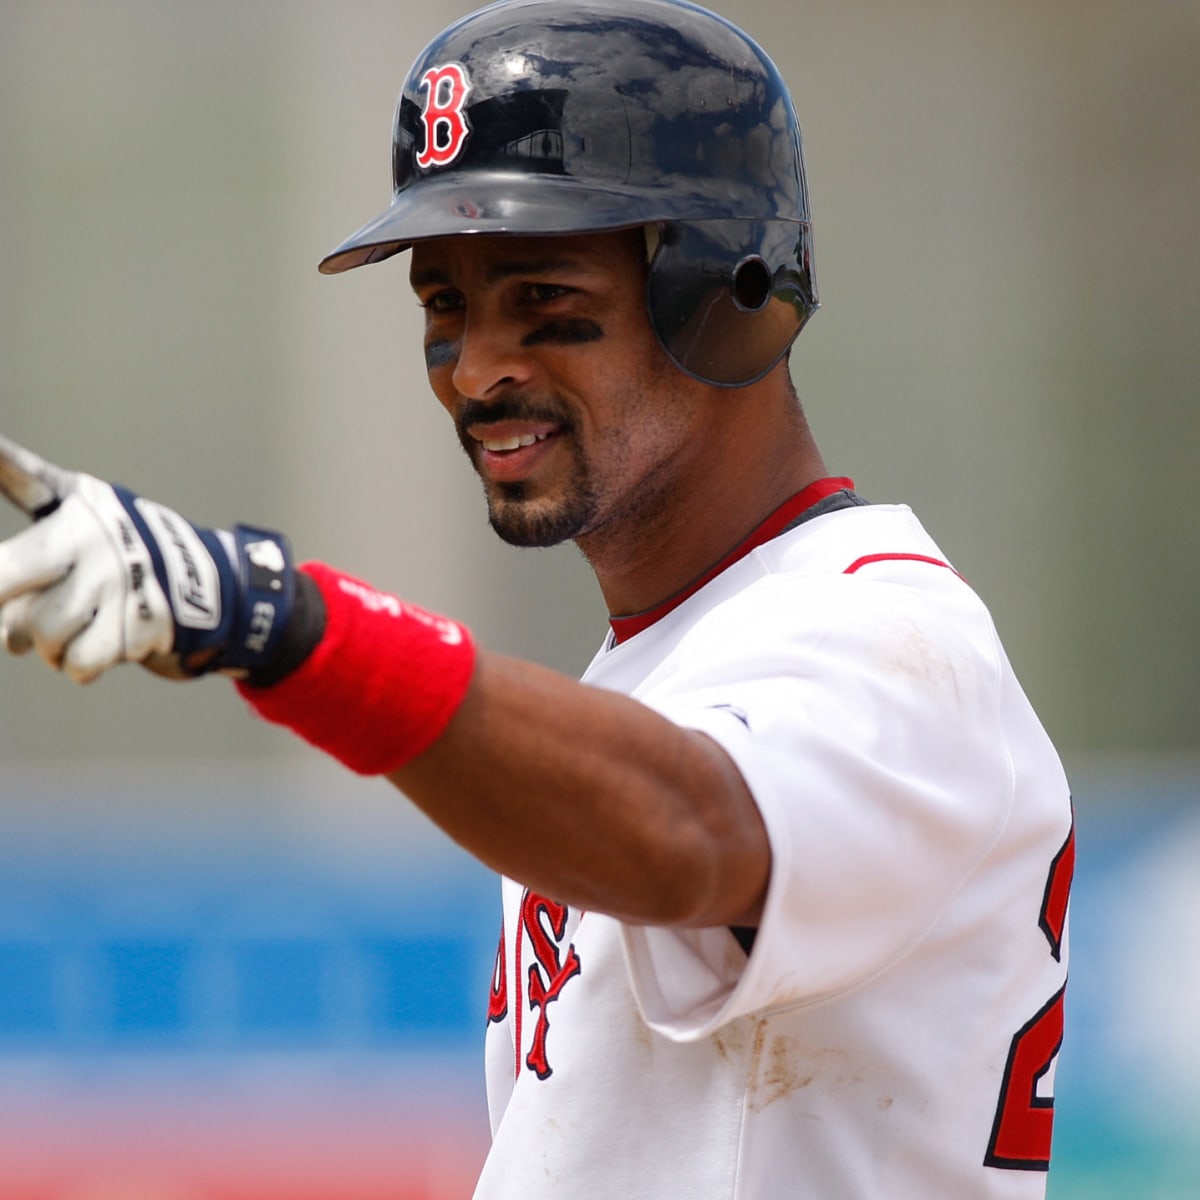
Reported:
(522, 520)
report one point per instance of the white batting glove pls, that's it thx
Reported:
(104, 576)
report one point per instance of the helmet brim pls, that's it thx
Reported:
(489, 203)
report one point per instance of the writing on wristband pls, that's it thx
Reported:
(382, 684)
(450, 632)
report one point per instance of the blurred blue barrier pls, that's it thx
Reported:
(1127, 1088)
(164, 944)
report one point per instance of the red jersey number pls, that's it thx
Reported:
(1021, 1132)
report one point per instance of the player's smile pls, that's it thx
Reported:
(508, 440)
(508, 454)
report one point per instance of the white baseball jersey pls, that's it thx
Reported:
(892, 1030)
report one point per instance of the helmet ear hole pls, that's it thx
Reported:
(751, 284)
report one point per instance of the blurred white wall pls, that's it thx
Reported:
(1005, 200)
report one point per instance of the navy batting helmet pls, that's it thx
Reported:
(566, 116)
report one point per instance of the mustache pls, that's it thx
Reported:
(511, 408)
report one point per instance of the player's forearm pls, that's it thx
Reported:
(590, 797)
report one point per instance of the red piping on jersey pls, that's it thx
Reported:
(626, 627)
(519, 983)
(868, 559)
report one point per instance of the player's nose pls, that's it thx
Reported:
(491, 359)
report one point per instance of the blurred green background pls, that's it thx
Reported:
(1006, 201)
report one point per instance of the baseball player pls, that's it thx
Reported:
(785, 877)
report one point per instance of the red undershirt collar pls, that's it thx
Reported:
(624, 628)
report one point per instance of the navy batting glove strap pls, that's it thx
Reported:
(230, 593)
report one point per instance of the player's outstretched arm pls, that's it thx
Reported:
(104, 576)
(582, 794)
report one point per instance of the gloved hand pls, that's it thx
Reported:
(104, 576)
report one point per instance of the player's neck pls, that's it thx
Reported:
(653, 556)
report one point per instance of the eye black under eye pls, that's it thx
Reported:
(441, 352)
(575, 331)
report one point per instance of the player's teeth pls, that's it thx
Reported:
(514, 443)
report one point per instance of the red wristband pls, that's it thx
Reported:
(381, 685)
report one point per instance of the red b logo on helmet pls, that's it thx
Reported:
(446, 90)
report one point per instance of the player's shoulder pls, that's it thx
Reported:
(862, 575)
(869, 573)
(847, 558)
(848, 540)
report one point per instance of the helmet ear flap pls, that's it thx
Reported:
(727, 298)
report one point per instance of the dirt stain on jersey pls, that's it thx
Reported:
(780, 1066)
(928, 665)
(731, 1041)
(777, 1067)
(643, 1035)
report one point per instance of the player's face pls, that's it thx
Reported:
(542, 352)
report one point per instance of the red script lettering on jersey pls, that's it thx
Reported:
(544, 922)
(498, 993)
